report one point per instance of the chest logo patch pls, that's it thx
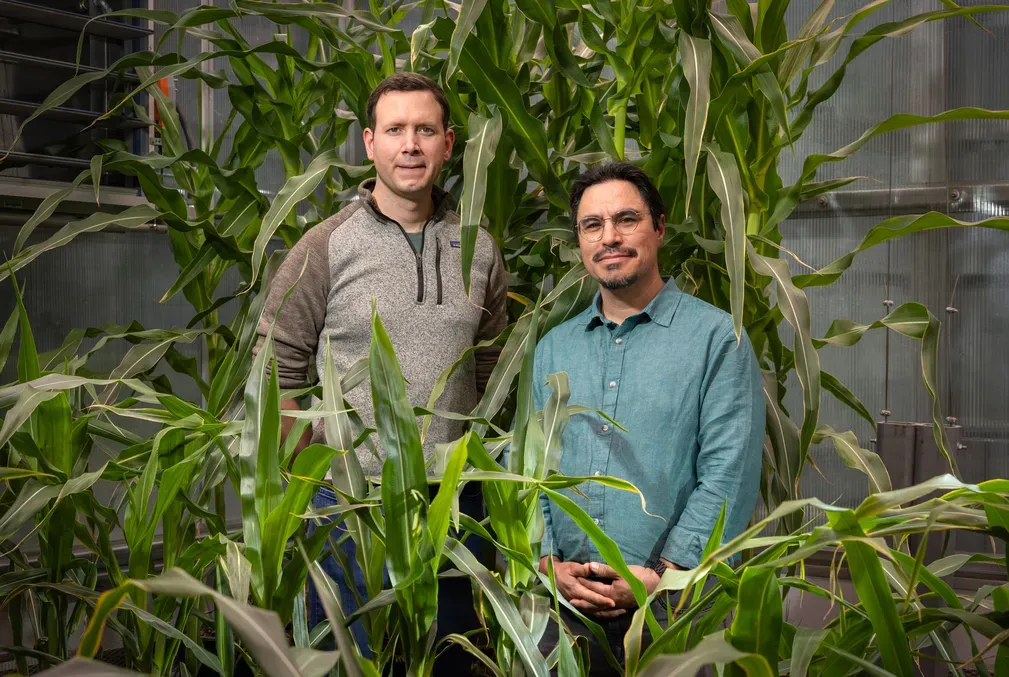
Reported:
(455, 244)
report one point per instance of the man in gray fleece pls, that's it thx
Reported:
(398, 244)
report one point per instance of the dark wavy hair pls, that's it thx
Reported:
(617, 171)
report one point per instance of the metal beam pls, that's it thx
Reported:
(30, 61)
(17, 219)
(71, 21)
(62, 114)
(19, 159)
(24, 193)
(991, 199)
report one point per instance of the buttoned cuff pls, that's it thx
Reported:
(683, 548)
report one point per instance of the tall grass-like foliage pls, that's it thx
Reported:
(707, 102)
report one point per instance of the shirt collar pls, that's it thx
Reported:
(440, 199)
(659, 310)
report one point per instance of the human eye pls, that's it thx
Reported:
(592, 225)
(627, 218)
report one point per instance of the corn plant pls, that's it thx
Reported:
(168, 481)
(706, 101)
(873, 538)
(411, 534)
(47, 452)
(55, 420)
(903, 604)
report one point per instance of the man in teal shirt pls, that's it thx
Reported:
(668, 368)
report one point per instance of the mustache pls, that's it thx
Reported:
(606, 251)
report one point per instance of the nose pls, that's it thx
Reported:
(611, 236)
(410, 144)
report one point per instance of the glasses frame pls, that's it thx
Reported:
(612, 220)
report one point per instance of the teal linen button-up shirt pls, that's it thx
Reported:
(691, 400)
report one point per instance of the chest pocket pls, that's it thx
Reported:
(450, 293)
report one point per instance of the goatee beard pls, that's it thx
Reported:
(619, 282)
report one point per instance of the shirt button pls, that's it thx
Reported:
(595, 521)
(619, 341)
(605, 427)
(613, 384)
(597, 473)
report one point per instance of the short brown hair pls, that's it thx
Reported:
(408, 82)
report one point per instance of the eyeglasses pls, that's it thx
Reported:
(624, 222)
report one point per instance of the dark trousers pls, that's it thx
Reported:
(455, 598)
(614, 630)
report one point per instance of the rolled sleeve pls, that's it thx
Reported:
(730, 440)
(683, 548)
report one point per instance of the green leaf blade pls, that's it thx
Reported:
(756, 627)
(480, 150)
(696, 57)
(723, 175)
(404, 480)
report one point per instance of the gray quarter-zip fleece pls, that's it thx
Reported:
(358, 255)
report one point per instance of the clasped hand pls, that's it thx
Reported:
(596, 589)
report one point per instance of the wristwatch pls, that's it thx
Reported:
(659, 567)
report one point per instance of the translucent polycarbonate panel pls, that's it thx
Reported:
(919, 273)
(863, 99)
(938, 66)
(97, 280)
(858, 296)
(979, 260)
(982, 459)
(900, 75)
(977, 63)
(978, 153)
(980, 368)
(917, 70)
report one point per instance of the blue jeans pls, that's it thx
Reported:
(324, 498)
(455, 598)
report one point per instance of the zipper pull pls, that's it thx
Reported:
(437, 267)
(420, 277)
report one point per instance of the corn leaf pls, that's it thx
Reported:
(696, 58)
(874, 595)
(503, 605)
(404, 480)
(480, 149)
(723, 175)
(756, 627)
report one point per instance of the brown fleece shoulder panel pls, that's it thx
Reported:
(302, 317)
